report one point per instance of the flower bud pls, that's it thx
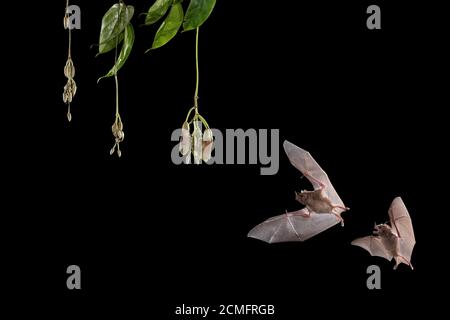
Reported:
(207, 145)
(185, 140)
(197, 147)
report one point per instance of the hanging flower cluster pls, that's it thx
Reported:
(117, 35)
(199, 144)
(117, 28)
(70, 89)
(119, 135)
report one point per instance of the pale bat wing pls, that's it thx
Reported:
(305, 163)
(292, 226)
(374, 246)
(402, 225)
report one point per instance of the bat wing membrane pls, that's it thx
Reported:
(402, 225)
(374, 246)
(292, 226)
(305, 163)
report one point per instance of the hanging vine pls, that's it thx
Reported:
(70, 88)
(198, 11)
(116, 28)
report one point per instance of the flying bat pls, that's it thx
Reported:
(323, 206)
(392, 241)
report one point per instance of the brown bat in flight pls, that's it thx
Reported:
(323, 207)
(395, 241)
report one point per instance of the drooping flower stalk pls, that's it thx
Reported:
(197, 72)
(70, 88)
(175, 17)
(116, 28)
(117, 127)
(200, 143)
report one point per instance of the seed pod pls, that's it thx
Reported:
(74, 87)
(69, 91)
(69, 69)
(115, 128)
(66, 22)
(68, 95)
(121, 136)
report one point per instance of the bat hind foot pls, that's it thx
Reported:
(340, 219)
(301, 214)
(306, 215)
(401, 259)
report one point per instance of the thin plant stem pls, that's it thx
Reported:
(197, 72)
(117, 96)
(70, 31)
(115, 74)
(69, 53)
(117, 83)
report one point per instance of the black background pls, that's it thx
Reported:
(149, 235)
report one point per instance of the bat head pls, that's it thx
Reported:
(382, 229)
(302, 197)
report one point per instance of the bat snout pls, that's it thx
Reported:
(300, 197)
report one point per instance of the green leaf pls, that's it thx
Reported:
(169, 27)
(113, 24)
(124, 52)
(197, 13)
(111, 44)
(157, 11)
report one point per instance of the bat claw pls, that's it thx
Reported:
(340, 219)
(305, 215)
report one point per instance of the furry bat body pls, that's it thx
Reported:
(323, 206)
(392, 242)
